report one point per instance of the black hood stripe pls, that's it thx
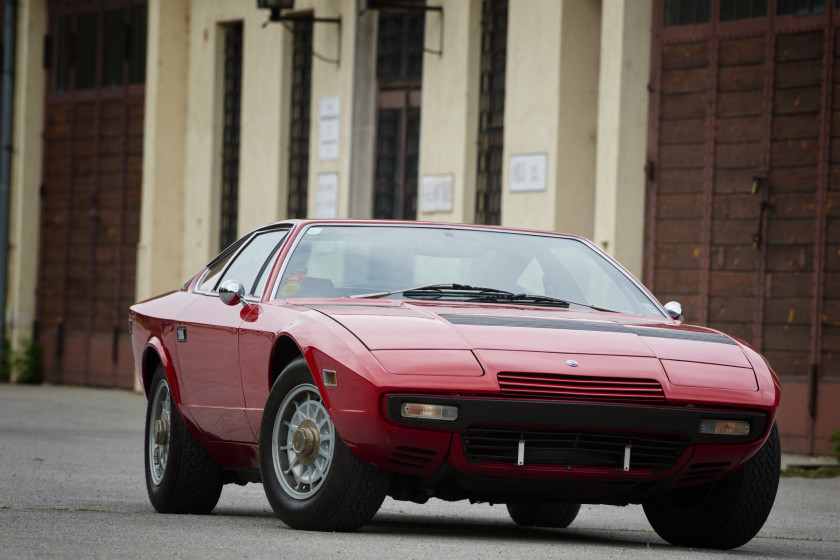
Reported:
(570, 325)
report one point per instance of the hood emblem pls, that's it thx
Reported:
(572, 363)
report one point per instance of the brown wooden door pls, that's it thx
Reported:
(90, 196)
(743, 181)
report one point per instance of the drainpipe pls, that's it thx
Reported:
(6, 105)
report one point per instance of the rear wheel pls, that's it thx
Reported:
(724, 514)
(311, 479)
(180, 476)
(543, 514)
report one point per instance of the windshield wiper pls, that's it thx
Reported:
(468, 293)
(436, 291)
(542, 300)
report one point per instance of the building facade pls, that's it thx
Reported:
(692, 140)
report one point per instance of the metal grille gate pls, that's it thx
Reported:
(399, 73)
(743, 181)
(90, 195)
(230, 134)
(299, 128)
(491, 112)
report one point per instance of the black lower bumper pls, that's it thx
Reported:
(488, 411)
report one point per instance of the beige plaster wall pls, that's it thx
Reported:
(622, 130)
(24, 212)
(263, 171)
(164, 148)
(449, 112)
(330, 79)
(551, 92)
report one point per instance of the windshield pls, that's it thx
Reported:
(353, 260)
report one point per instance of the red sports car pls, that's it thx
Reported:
(339, 362)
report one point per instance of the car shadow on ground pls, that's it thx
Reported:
(419, 527)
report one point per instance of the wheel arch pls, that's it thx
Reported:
(284, 351)
(155, 354)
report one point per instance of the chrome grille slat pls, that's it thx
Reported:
(580, 387)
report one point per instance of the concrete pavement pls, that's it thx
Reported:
(72, 486)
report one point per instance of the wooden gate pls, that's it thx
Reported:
(744, 188)
(90, 195)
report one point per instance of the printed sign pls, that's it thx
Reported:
(327, 204)
(329, 128)
(527, 172)
(436, 193)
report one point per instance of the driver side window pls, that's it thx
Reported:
(250, 266)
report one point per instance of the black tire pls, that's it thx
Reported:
(724, 514)
(350, 492)
(543, 514)
(190, 481)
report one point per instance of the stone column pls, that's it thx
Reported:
(622, 130)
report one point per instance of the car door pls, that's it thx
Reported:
(208, 341)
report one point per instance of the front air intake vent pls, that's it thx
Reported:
(581, 388)
(701, 472)
(657, 453)
(412, 457)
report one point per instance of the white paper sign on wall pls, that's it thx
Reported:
(327, 204)
(527, 172)
(436, 193)
(329, 127)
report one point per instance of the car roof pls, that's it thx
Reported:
(454, 225)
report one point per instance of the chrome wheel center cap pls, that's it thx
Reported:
(305, 442)
(161, 432)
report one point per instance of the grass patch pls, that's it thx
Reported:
(5, 507)
(92, 509)
(38, 459)
(828, 471)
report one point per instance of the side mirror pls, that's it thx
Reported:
(675, 310)
(232, 292)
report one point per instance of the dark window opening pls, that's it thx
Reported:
(62, 44)
(399, 44)
(491, 112)
(137, 45)
(731, 10)
(90, 50)
(399, 72)
(687, 12)
(87, 48)
(230, 133)
(800, 7)
(113, 48)
(299, 127)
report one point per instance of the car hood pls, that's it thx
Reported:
(421, 326)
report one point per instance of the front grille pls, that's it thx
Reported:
(581, 388)
(657, 453)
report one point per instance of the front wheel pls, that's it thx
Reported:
(311, 479)
(180, 476)
(724, 514)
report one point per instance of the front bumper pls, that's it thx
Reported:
(627, 418)
(563, 442)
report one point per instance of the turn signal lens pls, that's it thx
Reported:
(430, 411)
(725, 427)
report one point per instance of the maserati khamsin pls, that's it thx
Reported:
(340, 362)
